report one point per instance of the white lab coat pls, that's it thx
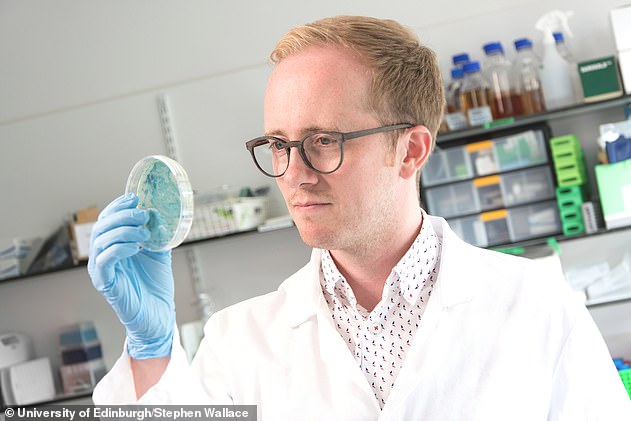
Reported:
(502, 338)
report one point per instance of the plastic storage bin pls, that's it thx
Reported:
(625, 376)
(569, 162)
(496, 226)
(538, 220)
(470, 229)
(521, 150)
(527, 186)
(526, 149)
(453, 199)
(490, 192)
(570, 203)
(482, 156)
(446, 165)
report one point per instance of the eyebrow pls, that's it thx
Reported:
(304, 132)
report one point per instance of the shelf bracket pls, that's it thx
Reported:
(204, 302)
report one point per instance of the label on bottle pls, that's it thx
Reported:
(456, 121)
(479, 115)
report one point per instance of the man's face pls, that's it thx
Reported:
(325, 88)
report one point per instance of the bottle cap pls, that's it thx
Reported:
(460, 59)
(457, 73)
(163, 188)
(522, 43)
(493, 47)
(558, 37)
(471, 67)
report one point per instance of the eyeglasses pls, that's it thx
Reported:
(323, 151)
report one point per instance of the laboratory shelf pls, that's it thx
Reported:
(519, 122)
(83, 263)
(607, 301)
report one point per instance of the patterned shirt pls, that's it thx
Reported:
(381, 338)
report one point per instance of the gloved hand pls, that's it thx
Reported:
(137, 283)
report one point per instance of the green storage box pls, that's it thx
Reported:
(614, 185)
(625, 375)
(600, 79)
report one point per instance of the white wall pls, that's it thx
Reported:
(78, 88)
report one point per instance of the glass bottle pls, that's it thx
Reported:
(497, 70)
(474, 95)
(455, 118)
(527, 80)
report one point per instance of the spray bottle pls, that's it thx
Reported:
(556, 73)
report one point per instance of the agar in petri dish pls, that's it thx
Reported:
(163, 188)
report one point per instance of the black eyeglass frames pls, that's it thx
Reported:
(321, 151)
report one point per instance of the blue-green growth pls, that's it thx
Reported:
(159, 193)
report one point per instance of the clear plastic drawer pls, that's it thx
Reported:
(522, 150)
(527, 186)
(496, 226)
(446, 165)
(532, 221)
(482, 156)
(452, 199)
(489, 193)
(470, 229)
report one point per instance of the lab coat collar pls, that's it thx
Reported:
(303, 292)
(459, 266)
(455, 284)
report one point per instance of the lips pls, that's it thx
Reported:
(309, 204)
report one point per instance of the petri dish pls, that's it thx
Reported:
(163, 188)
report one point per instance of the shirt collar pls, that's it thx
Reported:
(410, 274)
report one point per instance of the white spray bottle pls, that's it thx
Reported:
(556, 73)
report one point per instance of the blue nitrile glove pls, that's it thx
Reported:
(137, 283)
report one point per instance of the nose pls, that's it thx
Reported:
(298, 172)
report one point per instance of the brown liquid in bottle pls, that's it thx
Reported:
(474, 99)
(515, 99)
(501, 105)
(532, 101)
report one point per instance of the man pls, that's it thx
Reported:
(394, 317)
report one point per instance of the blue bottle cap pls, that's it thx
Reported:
(522, 43)
(460, 59)
(471, 67)
(493, 47)
(558, 37)
(457, 73)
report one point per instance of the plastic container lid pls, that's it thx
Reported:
(558, 36)
(162, 187)
(471, 67)
(493, 47)
(457, 73)
(522, 43)
(460, 59)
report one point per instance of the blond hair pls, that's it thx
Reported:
(406, 82)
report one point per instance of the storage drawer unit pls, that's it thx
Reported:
(533, 221)
(491, 192)
(527, 186)
(522, 150)
(446, 165)
(470, 229)
(509, 225)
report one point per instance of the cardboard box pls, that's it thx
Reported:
(621, 26)
(80, 232)
(600, 79)
(624, 61)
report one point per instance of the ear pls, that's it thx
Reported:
(417, 144)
